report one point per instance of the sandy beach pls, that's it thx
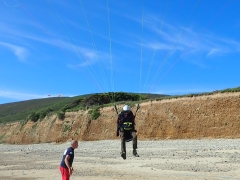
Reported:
(98, 160)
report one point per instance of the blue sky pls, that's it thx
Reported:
(53, 47)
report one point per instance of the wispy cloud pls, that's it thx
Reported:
(211, 45)
(191, 39)
(20, 96)
(213, 51)
(234, 44)
(20, 52)
(86, 55)
(91, 59)
(157, 46)
(11, 4)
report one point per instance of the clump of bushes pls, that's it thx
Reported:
(35, 116)
(83, 103)
(61, 115)
(94, 113)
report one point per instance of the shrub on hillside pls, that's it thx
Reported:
(33, 117)
(106, 98)
(94, 113)
(73, 105)
(61, 115)
(23, 124)
(43, 113)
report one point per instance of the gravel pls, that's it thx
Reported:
(184, 159)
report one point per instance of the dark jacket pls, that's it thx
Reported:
(126, 121)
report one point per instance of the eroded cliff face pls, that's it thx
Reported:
(214, 116)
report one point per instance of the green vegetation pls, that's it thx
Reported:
(23, 123)
(53, 123)
(38, 109)
(231, 90)
(19, 111)
(66, 127)
(237, 89)
(61, 115)
(33, 116)
(94, 113)
(34, 127)
(1, 137)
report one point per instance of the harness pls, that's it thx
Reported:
(126, 121)
(127, 126)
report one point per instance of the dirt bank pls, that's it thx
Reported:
(214, 116)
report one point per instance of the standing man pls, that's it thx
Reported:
(126, 129)
(67, 160)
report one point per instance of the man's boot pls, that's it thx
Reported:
(123, 155)
(135, 153)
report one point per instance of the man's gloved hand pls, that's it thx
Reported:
(117, 133)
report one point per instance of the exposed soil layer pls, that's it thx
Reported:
(213, 116)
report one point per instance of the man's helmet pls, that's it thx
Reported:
(126, 108)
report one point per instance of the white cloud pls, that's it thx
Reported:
(86, 56)
(13, 3)
(213, 52)
(13, 96)
(19, 51)
(157, 46)
(197, 42)
(20, 96)
(234, 44)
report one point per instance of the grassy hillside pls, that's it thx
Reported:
(19, 111)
